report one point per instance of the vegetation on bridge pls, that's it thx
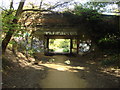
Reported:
(103, 30)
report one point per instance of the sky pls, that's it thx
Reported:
(5, 3)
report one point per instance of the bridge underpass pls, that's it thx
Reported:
(72, 43)
(62, 71)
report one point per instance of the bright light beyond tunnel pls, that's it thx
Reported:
(59, 45)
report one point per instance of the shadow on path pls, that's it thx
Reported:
(75, 75)
(62, 72)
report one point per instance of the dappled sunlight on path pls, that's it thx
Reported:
(59, 71)
(62, 67)
(80, 75)
(63, 76)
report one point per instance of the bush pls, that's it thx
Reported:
(109, 41)
(51, 50)
(111, 61)
(65, 50)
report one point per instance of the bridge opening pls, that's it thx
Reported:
(59, 45)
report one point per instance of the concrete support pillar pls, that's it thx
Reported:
(47, 45)
(71, 45)
(77, 46)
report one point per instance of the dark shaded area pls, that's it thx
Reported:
(16, 76)
(102, 29)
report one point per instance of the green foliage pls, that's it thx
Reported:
(7, 21)
(84, 13)
(102, 28)
(99, 6)
(113, 60)
(31, 52)
(64, 44)
(109, 41)
(65, 50)
(8, 25)
(59, 44)
(87, 14)
(51, 50)
(109, 38)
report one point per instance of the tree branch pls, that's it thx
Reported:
(49, 9)
(11, 4)
(34, 10)
(57, 5)
(40, 4)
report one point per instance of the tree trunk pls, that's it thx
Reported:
(11, 32)
(8, 37)
(6, 41)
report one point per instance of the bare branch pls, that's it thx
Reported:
(41, 4)
(11, 4)
(48, 9)
(35, 10)
(4, 9)
(57, 5)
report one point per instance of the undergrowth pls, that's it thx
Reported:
(113, 60)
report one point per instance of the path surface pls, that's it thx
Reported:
(62, 77)
(62, 72)
(80, 75)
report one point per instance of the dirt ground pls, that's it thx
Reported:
(58, 71)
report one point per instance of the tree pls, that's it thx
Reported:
(100, 27)
(14, 21)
